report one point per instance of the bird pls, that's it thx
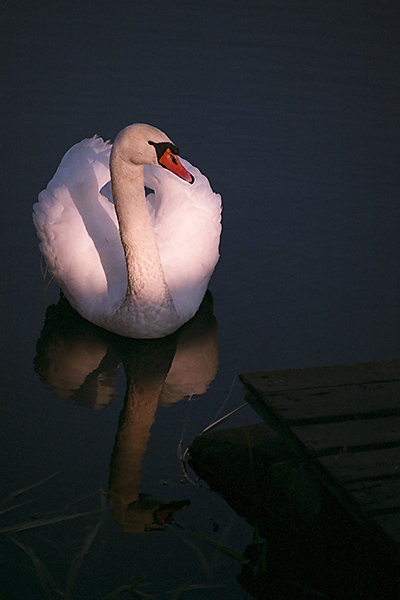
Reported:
(130, 232)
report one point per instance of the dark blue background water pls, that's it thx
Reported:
(291, 108)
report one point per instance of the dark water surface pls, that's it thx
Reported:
(291, 108)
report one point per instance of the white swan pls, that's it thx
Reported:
(139, 267)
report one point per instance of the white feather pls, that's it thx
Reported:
(80, 239)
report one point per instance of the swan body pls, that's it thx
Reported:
(135, 264)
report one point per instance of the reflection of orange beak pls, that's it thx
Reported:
(170, 161)
(165, 512)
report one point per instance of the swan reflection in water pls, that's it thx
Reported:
(80, 362)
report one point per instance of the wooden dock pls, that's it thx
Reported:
(344, 421)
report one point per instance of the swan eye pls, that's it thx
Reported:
(161, 147)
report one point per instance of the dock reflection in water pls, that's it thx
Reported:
(80, 362)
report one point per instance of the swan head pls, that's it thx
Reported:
(143, 144)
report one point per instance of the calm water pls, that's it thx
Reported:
(291, 110)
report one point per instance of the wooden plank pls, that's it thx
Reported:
(337, 403)
(349, 436)
(319, 377)
(348, 419)
(356, 466)
(378, 496)
(372, 480)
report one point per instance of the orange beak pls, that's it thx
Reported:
(170, 161)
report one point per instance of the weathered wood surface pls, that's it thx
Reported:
(345, 421)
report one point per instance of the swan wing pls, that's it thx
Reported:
(78, 230)
(187, 222)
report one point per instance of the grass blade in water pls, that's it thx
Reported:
(79, 557)
(46, 581)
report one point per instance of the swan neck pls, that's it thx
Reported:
(145, 275)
